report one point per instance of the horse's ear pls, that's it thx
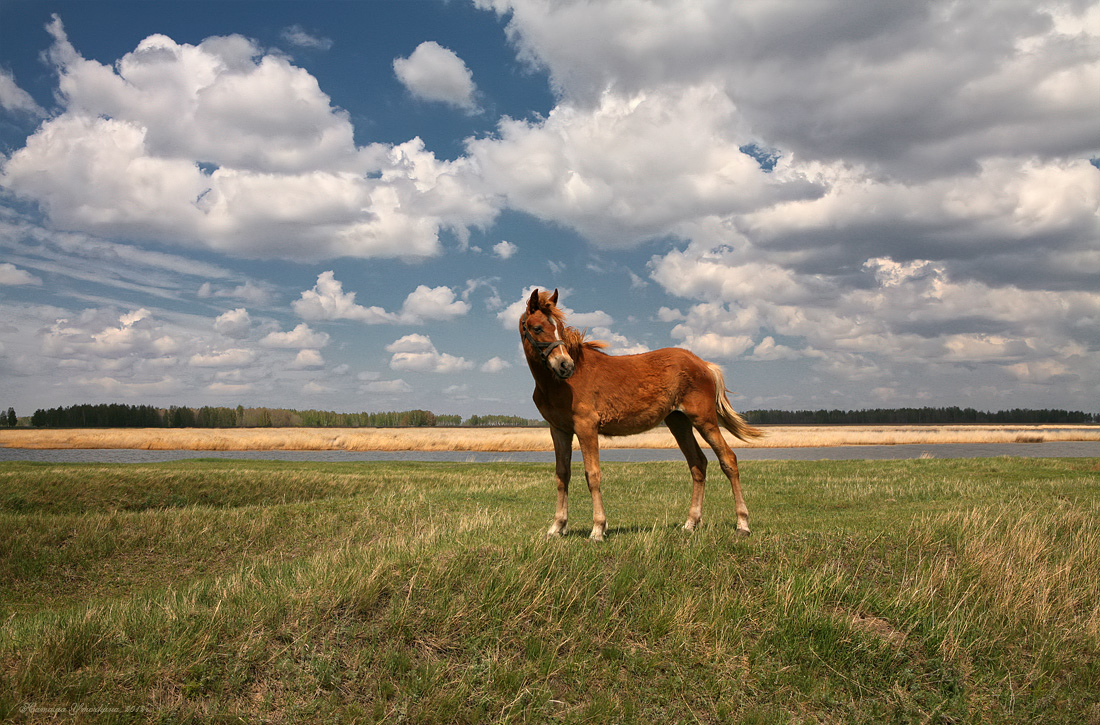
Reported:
(533, 302)
(554, 297)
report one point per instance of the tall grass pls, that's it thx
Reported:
(949, 591)
(513, 439)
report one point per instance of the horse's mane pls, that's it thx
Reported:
(575, 340)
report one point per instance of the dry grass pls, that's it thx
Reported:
(514, 439)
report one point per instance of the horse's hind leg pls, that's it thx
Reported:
(681, 429)
(728, 460)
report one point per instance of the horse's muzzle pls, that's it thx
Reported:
(565, 369)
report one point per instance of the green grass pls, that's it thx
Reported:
(907, 591)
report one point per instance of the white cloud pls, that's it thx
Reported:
(127, 388)
(328, 301)
(432, 303)
(495, 365)
(417, 353)
(388, 387)
(898, 86)
(435, 73)
(894, 316)
(235, 323)
(94, 335)
(222, 358)
(224, 147)
(618, 344)
(504, 249)
(301, 337)
(12, 276)
(15, 100)
(306, 359)
(633, 168)
(298, 36)
(927, 209)
(229, 389)
(711, 344)
(768, 349)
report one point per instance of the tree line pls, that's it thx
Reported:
(116, 415)
(920, 416)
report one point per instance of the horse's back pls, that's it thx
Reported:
(634, 393)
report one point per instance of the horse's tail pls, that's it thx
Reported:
(727, 416)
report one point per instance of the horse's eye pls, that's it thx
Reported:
(537, 329)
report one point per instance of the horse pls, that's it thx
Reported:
(581, 390)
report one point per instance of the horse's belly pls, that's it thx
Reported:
(628, 426)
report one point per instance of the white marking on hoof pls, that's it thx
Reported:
(689, 526)
(556, 530)
(743, 532)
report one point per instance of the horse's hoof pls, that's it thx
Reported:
(689, 526)
(744, 533)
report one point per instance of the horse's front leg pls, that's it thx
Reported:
(563, 457)
(590, 449)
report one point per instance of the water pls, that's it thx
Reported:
(1053, 449)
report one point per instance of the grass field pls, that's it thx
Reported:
(905, 591)
(513, 439)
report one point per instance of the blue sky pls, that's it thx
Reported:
(341, 205)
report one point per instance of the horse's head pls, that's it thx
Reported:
(542, 328)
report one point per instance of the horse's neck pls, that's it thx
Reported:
(543, 375)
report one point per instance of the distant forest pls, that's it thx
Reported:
(116, 415)
(919, 416)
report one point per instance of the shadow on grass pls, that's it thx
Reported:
(582, 532)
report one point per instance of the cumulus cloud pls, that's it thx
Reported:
(618, 344)
(306, 359)
(892, 316)
(15, 100)
(417, 353)
(222, 358)
(131, 353)
(879, 191)
(328, 301)
(301, 337)
(896, 86)
(223, 146)
(495, 365)
(435, 73)
(13, 276)
(635, 167)
(432, 303)
(235, 323)
(504, 249)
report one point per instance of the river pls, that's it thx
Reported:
(1052, 449)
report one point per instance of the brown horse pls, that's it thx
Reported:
(583, 391)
